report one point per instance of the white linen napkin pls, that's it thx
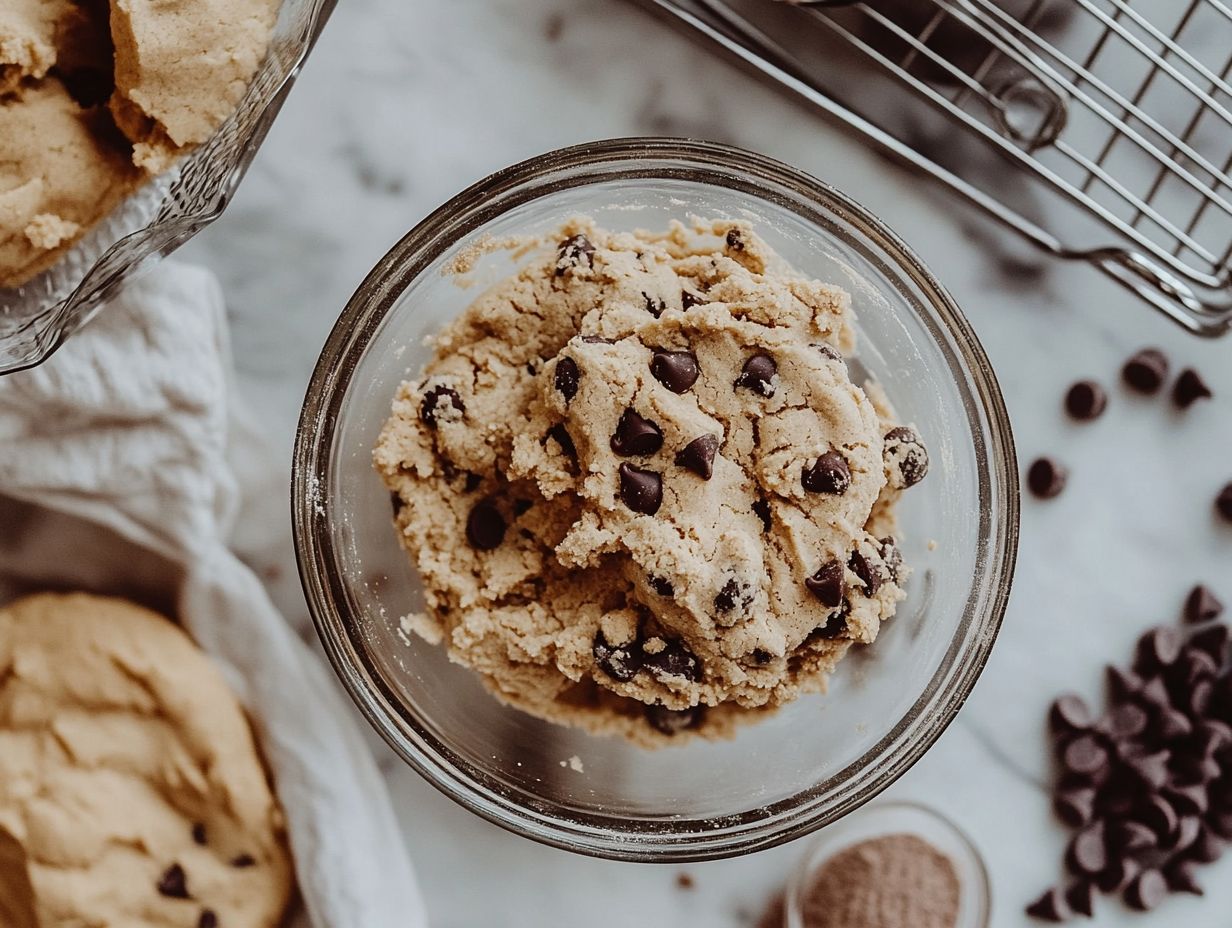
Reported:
(114, 462)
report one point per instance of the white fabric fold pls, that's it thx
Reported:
(114, 462)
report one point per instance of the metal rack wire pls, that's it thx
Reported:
(1115, 119)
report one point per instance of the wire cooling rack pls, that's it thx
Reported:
(1098, 129)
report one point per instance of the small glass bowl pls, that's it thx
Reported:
(892, 818)
(813, 761)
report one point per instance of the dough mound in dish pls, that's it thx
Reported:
(641, 490)
(131, 792)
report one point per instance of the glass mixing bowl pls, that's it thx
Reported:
(814, 760)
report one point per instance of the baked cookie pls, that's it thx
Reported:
(28, 40)
(128, 774)
(641, 488)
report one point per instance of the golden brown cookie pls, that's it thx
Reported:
(128, 774)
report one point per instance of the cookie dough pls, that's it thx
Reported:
(131, 792)
(98, 95)
(641, 489)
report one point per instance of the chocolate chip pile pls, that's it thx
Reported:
(1148, 785)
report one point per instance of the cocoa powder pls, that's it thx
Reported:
(895, 881)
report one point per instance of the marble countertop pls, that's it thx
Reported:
(403, 104)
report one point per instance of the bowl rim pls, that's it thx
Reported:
(662, 839)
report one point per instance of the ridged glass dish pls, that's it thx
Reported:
(161, 215)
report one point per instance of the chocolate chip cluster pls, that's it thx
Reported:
(1148, 785)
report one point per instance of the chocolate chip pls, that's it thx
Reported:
(1220, 824)
(485, 526)
(867, 570)
(1206, 847)
(828, 474)
(906, 455)
(1188, 800)
(1146, 371)
(1213, 736)
(1146, 891)
(243, 861)
(640, 490)
(761, 508)
(472, 482)
(1150, 768)
(1158, 815)
(1120, 873)
(198, 833)
(892, 557)
(1158, 649)
(1179, 875)
(521, 507)
(1212, 641)
(758, 374)
(1198, 699)
(567, 378)
(673, 721)
(676, 370)
(1046, 478)
(636, 435)
(1075, 807)
(575, 251)
(1122, 684)
(1050, 907)
(1189, 388)
(1069, 713)
(662, 586)
(835, 625)
(698, 456)
(440, 404)
(1171, 725)
(674, 660)
(1153, 693)
(1088, 852)
(734, 240)
(1081, 898)
(762, 657)
(1128, 835)
(207, 919)
(173, 883)
(1188, 829)
(828, 584)
(620, 662)
(1202, 605)
(1223, 502)
(395, 501)
(654, 306)
(1124, 722)
(1086, 400)
(564, 439)
(689, 300)
(734, 596)
(1085, 756)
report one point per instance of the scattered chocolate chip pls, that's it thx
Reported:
(173, 883)
(1069, 713)
(905, 453)
(674, 660)
(835, 625)
(1158, 649)
(1179, 875)
(521, 506)
(676, 370)
(472, 482)
(867, 570)
(198, 833)
(892, 557)
(1050, 907)
(1171, 725)
(734, 241)
(1213, 736)
(1080, 898)
(689, 300)
(620, 662)
(1153, 694)
(1146, 891)
(1223, 502)
(1158, 815)
(1124, 722)
(828, 584)
(1128, 835)
(673, 721)
(1122, 684)
(1088, 852)
(207, 919)
(1188, 829)
(698, 456)
(1198, 699)
(662, 586)
(1046, 478)
(761, 508)
(828, 474)
(1075, 807)
(243, 861)
(640, 490)
(636, 435)
(1146, 371)
(1206, 848)
(654, 305)
(1202, 605)
(762, 656)
(1212, 642)
(1085, 756)
(440, 404)
(1189, 388)
(485, 526)
(1086, 400)
(564, 439)
(1120, 873)
(575, 251)
(1151, 769)
(734, 596)
(758, 374)
(567, 378)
